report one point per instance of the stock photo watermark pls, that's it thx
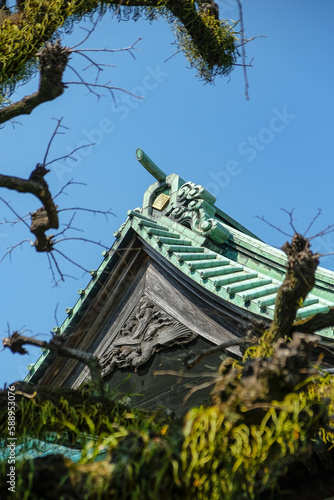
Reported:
(11, 439)
(249, 149)
(92, 138)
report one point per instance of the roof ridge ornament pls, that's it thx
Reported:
(189, 204)
(150, 166)
(195, 209)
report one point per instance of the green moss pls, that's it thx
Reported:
(208, 44)
(142, 455)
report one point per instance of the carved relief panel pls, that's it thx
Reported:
(147, 330)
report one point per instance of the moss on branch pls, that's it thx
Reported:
(265, 416)
(299, 281)
(205, 40)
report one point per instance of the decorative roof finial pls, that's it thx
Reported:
(150, 166)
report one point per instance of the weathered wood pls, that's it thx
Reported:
(146, 389)
(140, 272)
(188, 307)
(129, 263)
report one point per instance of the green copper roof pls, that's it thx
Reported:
(247, 286)
(180, 222)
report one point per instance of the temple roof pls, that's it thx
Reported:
(180, 222)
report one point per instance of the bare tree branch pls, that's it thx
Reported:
(69, 226)
(69, 155)
(273, 226)
(44, 218)
(315, 323)
(190, 360)
(54, 281)
(19, 218)
(243, 50)
(89, 32)
(312, 222)
(298, 282)
(70, 260)
(323, 232)
(52, 63)
(55, 132)
(90, 210)
(129, 49)
(71, 182)
(85, 240)
(16, 342)
(290, 214)
(11, 249)
(103, 86)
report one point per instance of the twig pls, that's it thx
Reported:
(85, 240)
(20, 219)
(55, 132)
(89, 32)
(243, 50)
(123, 49)
(69, 155)
(312, 222)
(250, 40)
(17, 221)
(82, 81)
(250, 65)
(290, 214)
(328, 229)
(70, 260)
(99, 66)
(185, 374)
(272, 225)
(11, 249)
(192, 360)
(16, 342)
(58, 269)
(49, 255)
(69, 226)
(69, 183)
(104, 86)
(196, 388)
(91, 210)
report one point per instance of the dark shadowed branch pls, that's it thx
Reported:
(315, 323)
(52, 63)
(192, 360)
(298, 282)
(16, 343)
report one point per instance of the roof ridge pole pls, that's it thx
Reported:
(150, 166)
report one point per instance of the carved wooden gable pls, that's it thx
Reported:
(181, 275)
(147, 330)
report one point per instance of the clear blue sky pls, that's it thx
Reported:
(278, 146)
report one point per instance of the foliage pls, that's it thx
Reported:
(229, 450)
(267, 411)
(225, 52)
(208, 43)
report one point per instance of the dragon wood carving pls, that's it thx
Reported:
(147, 330)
